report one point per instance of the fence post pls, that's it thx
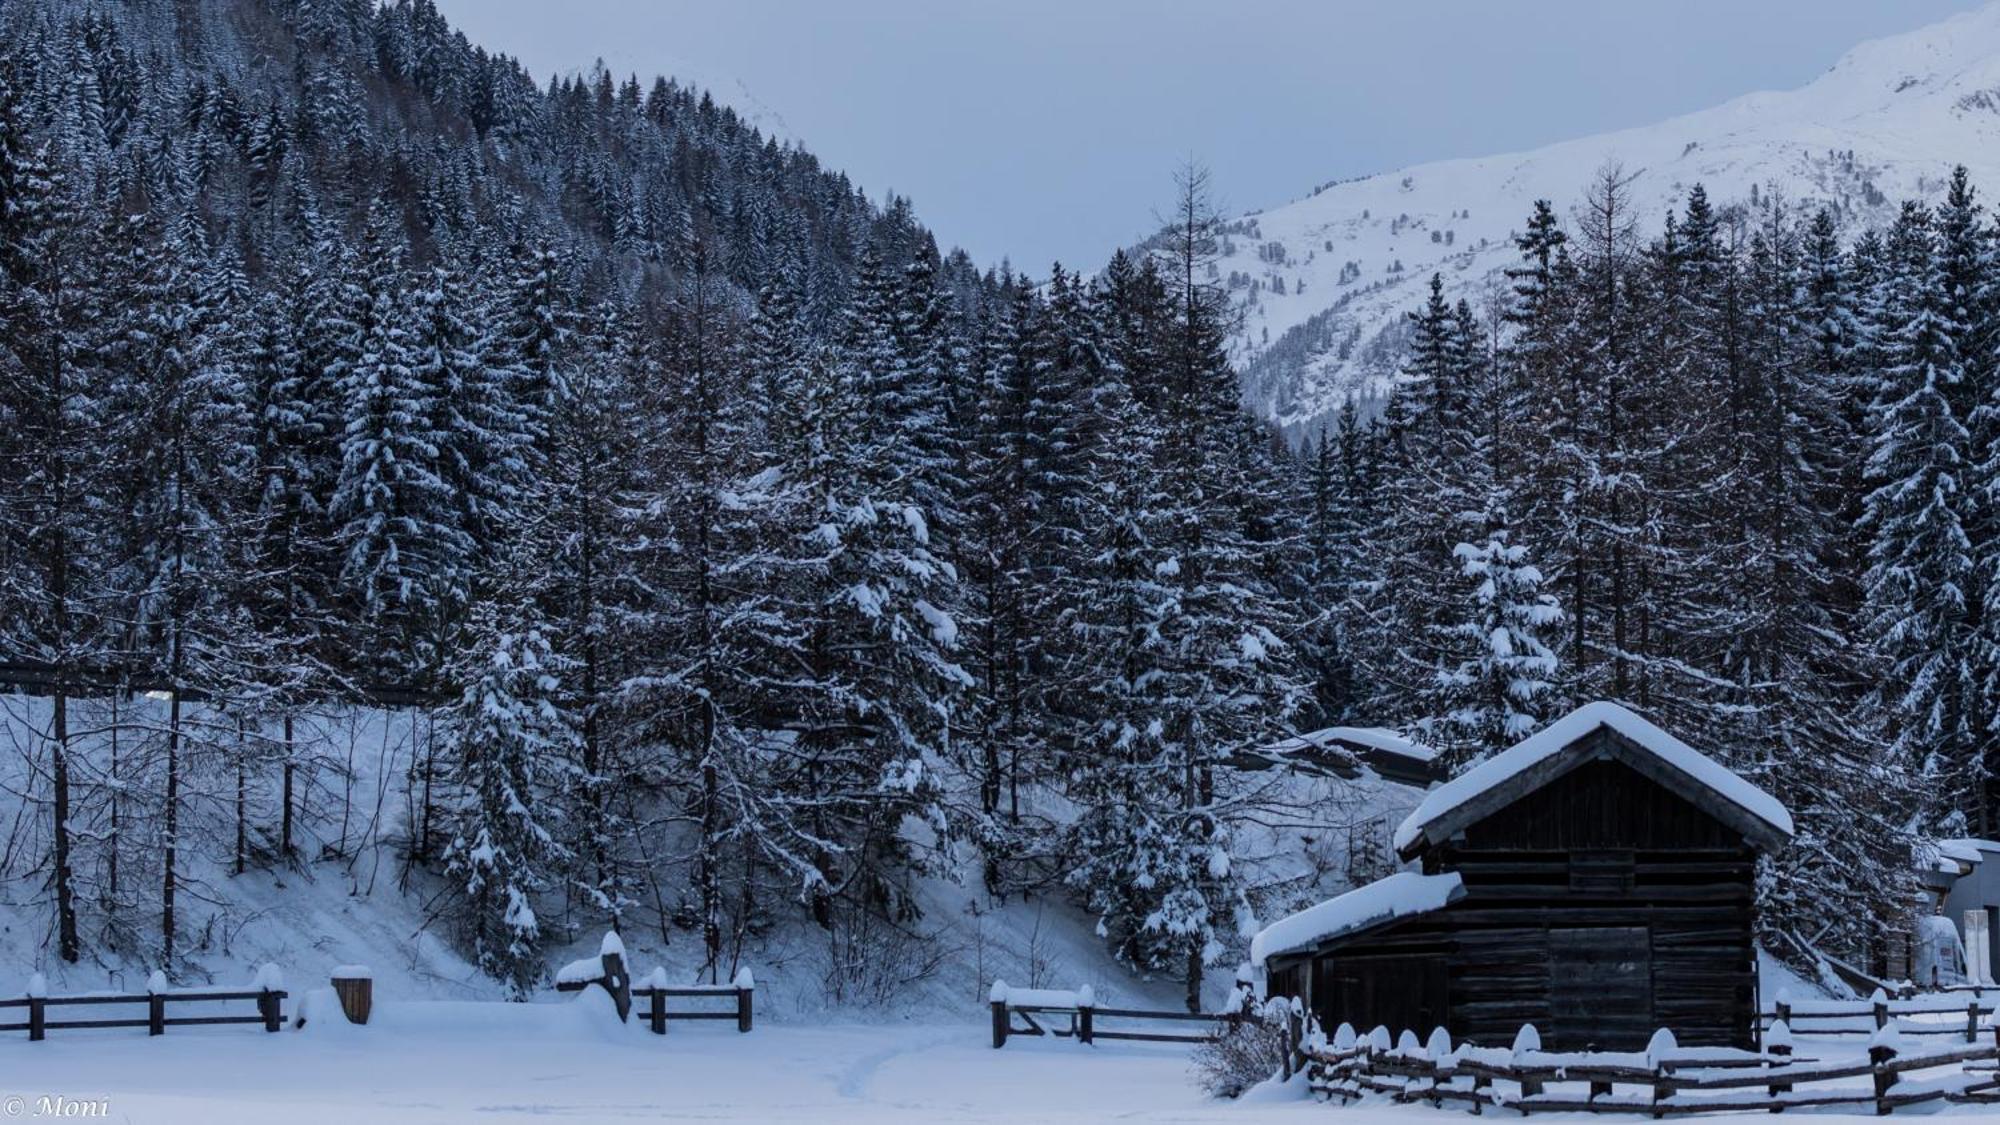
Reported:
(1086, 1014)
(746, 987)
(1881, 1005)
(617, 981)
(1784, 1011)
(1782, 1052)
(656, 1010)
(156, 1003)
(1662, 1089)
(268, 984)
(1878, 1057)
(38, 1015)
(998, 999)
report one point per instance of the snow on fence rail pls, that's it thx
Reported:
(1664, 1079)
(1085, 1015)
(607, 971)
(1867, 1017)
(267, 990)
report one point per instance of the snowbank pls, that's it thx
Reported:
(1399, 896)
(1557, 736)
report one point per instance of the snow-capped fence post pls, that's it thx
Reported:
(1086, 1012)
(616, 980)
(1526, 1042)
(354, 985)
(38, 1007)
(270, 987)
(746, 985)
(1882, 1052)
(1880, 1003)
(656, 1001)
(156, 1003)
(998, 999)
(1778, 1044)
(1972, 1020)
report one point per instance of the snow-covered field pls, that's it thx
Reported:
(450, 1061)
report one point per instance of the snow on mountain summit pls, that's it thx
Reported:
(1325, 280)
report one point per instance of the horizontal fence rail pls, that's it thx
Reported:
(1015, 1012)
(268, 998)
(1867, 1017)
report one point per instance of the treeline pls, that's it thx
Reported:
(1741, 475)
(757, 557)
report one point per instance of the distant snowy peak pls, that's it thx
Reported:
(1324, 281)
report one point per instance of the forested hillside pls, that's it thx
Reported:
(743, 559)
(748, 555)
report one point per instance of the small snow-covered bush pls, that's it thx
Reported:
(1237, 1056)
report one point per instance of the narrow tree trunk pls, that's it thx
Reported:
(117, 802)
(242, 805)
(170, 835)
(68, 947)
(421, 850)
(285, 816)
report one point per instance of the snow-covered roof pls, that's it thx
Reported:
(1353, 752)
(1374, 738)
(1968, 850)
(1679, 765)
(1401, 895)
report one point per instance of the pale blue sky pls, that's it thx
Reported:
(1045, 129)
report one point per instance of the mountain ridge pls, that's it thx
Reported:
(1324, 280)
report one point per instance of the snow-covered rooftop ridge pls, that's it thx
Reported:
(1375, 738)
(1562, 733)
(1401, 895)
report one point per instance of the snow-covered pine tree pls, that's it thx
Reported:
(1921, 567)
(871, 710)
(715, 644)
(510, 743)
(1226, 680)
(403, 550)
(1496, 693)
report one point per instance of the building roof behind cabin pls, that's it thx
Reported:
(1350, 753)
(1467, 797)
(1402, 895)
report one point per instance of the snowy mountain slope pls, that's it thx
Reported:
(1324, 281)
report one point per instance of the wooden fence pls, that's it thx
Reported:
(607, 971)
(1867, 1017)
(1014, 1012)
(1663, 1080)
(157, 999)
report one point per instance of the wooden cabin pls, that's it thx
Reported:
(1597, 881)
